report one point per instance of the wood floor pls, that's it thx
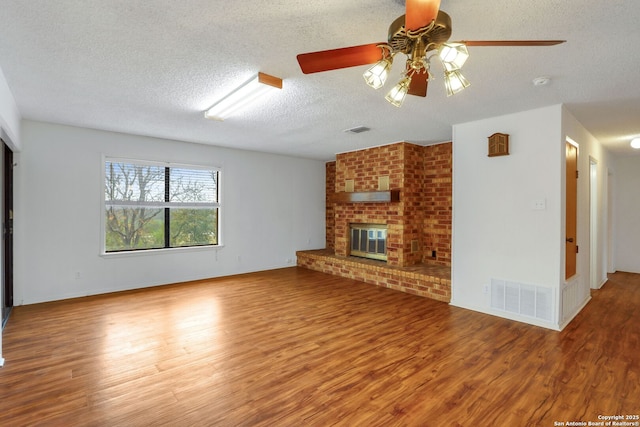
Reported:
(295, 347)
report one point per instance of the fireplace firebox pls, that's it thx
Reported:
(368, 241)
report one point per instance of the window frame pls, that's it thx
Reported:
(167, 206)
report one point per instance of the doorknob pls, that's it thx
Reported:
(570, 240)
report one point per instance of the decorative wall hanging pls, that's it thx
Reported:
(499, 145)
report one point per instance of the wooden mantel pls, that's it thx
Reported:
(365, 196)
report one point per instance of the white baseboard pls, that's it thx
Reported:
(508, 316)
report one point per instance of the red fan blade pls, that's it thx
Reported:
(325, 60)
(418, 86)
(420, 13)
(512, 42)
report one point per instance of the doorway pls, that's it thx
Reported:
(571, 184)
(7, 232)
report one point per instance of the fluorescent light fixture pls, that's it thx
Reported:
(377, 75)
(453, 55)
(635, 143)
(241, 97)
(454, 82)
(397, 94)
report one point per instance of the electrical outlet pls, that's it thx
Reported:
(539, 205)
(485, 289)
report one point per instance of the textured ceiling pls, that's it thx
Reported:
(152, 67)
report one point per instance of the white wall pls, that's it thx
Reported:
(627, 214)
(272, 206)
(496, 232)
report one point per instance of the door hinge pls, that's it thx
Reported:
(577, 249)
(577, 174)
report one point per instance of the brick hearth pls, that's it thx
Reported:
(431, 281)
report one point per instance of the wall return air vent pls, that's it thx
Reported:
(519, 298)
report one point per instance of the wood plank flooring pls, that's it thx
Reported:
(294, 347)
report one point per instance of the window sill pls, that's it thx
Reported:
(163, 251)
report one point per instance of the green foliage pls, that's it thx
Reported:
(132, 232)
(190, 227)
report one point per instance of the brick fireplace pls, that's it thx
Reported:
(414, 185)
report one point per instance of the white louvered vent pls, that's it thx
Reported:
(519, 298)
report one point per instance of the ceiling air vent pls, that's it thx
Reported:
(357, 129)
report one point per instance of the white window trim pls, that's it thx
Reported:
(159, 251)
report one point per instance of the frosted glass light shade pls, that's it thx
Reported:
(453, 55)
(397, 94)
(377, 75)
(454, 82)
(635, 143)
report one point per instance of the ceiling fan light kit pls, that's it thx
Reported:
(452, 56)
(422, 29)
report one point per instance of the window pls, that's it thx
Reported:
(153, 206)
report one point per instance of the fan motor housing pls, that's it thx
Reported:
(438, 34)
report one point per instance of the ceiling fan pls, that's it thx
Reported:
(422, 29)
